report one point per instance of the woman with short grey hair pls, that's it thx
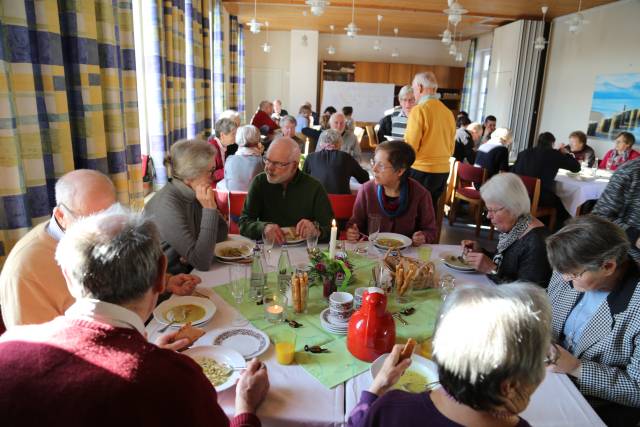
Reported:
(521, 253)
(185, 209)
(489, 346)
(225, 135)
(241, 168)
(595, 296)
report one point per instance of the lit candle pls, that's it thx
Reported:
(275, 309)
(306, 147)
(333, 240)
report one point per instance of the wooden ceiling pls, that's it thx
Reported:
(414, 18)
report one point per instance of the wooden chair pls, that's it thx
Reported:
(342, 205)
(533, 186)
(359, 132)
(464, 178)
(373, 137)
(230, 204)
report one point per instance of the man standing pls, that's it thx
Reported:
(395, 124)
(431, 131)
(284, 196)
(262, 120)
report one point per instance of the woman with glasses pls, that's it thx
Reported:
(332, 167)
(402, 203)
(240, 168)
(521, 253)
(595, 297)
(185, 209)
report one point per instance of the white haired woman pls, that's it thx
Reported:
(521, 253)
(489, 345)
(185, 209)
(595, 296)
(242, 167)
(493, 155)
(225, 136)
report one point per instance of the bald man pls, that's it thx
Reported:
(284, 196)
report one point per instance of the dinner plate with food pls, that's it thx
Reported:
(221, 365)
(234, 249)
(179, 311)
(290, 236)
(248, 342)
(421, 375)
(387, 241)
(457, 262)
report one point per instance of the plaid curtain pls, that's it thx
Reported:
(465, 102)
(236, 53)
(67, 101)
(218, 61)
(177, 74)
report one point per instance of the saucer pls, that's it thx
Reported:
(330, 325)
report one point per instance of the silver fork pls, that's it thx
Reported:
(400, 318)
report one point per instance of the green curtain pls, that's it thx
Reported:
(67, 101)
(465, 102)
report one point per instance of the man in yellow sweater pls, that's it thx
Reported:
(431, 131)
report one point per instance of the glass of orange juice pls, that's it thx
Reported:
(426, 348)
(285, 341)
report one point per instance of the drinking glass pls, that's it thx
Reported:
(373, 228)
(267, 243)
(285, 343)
(312, 242)
(275, 305)
(447, 284)
(238, 279)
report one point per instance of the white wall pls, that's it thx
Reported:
(607, 45)
(412, 51)
(303, 63)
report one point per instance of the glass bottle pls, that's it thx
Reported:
(284, 271)
(257, 282)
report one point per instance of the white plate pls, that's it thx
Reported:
(394, 138)
(291, 242)
(235, 243)
(406, 242)
(248, 342)
(418, 363)
(455, 266)
(224, 355)
(206, 303)
(587, 178)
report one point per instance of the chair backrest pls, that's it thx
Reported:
(359, 132)
(470, 173)
(342, 205)
(532, 185)
(222, 201)
(373, 137)
(230, 203)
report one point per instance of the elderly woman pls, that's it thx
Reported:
(185, 210)
(493, 155)
(332, 167)
(240, 168)
(402, 203)
(489, 345)
(521, 253)
(225, 136)
(621, 154)
(579, 149)
(595, 295)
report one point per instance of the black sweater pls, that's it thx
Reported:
(544, 163)
(334, 169)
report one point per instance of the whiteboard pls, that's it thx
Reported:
(369, 100)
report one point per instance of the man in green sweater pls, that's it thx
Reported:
(284, 196)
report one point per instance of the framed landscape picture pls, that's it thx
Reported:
(615, 106)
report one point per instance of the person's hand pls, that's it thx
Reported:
(353, 234)
(205, 195)
(275, 233)
(168, 342)
(252, 387)
(480, 262)
(418, 238)
(305, 228)
(566, 363)
(390, 372)
(469, 246)
(182, 284)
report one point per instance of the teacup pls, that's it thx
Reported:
(340, 302)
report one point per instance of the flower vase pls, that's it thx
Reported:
(328, 287)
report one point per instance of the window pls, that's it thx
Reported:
(479, 85)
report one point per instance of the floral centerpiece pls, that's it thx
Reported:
(330, 272)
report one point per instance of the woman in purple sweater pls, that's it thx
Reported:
(490, 344)
(402, 203)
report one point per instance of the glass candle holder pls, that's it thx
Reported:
(275, 307)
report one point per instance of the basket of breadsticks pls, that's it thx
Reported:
(410, 273)
(300, 292)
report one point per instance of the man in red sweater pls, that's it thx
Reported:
(262, 120)
(93, 366)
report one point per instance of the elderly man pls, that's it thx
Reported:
(284, 196)
(262, 119)
(350, 145)
(288, 128)
(32, 289)
(395, 124)
(278, 112)
(93, 366)
(431, 131)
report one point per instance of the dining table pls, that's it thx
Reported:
(298, 398)
(576, 189)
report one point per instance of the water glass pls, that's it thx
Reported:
(267, 244)
(312, 242)
(447, 284)
(373, 226)
(238, 279)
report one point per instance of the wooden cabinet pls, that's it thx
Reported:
(400, 74)
(418, 68)
(372, 72)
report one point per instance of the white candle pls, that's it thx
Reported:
(306, 147)
(275, 309)
(333, 240)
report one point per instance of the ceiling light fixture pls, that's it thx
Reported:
(395, 52)
(331, 50)
(453, 49)
(455, 12)
(352, 29)
(266, 47)
(317, 6)
(540, 42)
(577, 21)
(377, 46)
(254, 25)
(446, 36)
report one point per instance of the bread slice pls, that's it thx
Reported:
(189, 332)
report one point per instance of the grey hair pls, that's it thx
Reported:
(503, 135)
(488, 334)
(475, 126)
(330, 137)
(335, 115)
(230, 114)
(190, 158)
(406, 90)
(294, 148)
(288, 119)
(68, 185)
(507, 190)
(112, 256)
(264, 104)
(225, 126)
(248, 136)
(427, 79)
(586, 243)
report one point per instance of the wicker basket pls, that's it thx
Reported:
(423, 273)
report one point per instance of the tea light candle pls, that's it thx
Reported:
(333, 240)
(275, 310)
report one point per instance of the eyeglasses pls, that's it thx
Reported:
(494, 211)
(379, 166)
(570, 276)
(279, 165)
(72, 213)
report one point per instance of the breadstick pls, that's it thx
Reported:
(407, 351)
(407, 280)
(295, 292)
(399, 276)
(304, 291)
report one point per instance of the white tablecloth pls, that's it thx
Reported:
(574, 192)
(297, 399)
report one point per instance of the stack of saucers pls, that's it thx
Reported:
(329, 324)
(335, 319)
